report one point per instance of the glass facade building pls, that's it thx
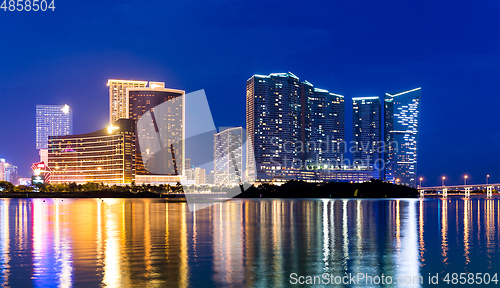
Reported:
(402, 112)
(366, 118)
(105, 156)
(290, 125)
(228, 157)
(169, 123)
(52, 120)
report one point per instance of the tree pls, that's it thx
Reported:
(22, 189)
(6, 186)
(72, 187)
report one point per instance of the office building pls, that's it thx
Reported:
(118, 107)
(402, 112)
(228, 157)
(291, 125)
(366, 118)
(105, 156)
(51, 120)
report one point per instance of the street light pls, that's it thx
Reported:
(421, 181)
(487, 176)
(443, 180)
(397, 181)
(465, 180)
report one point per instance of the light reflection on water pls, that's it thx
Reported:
(255, 243)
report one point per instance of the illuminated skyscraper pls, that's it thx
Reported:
(51, 120)
(367, 136)
(402, 112)
(228, 157)
(291, 125)
(273, 123)
(118, 107)
(324, 133)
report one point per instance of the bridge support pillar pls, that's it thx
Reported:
(489, 191)
(467, 192)
(422, 193)
(445, 192)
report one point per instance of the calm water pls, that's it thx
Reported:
(255, 243)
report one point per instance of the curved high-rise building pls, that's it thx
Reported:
(141, 100)
(402, 112)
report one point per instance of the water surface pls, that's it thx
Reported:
(242, 242)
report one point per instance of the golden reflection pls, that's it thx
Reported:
(167, 244)
(444, 231)
(490, 225)
(112, 274)
(184, 268)
(421, 231)
(147, 241)
(99, 238)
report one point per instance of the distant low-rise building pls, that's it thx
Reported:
(199, 175)
(228, 157)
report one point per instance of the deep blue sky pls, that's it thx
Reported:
(356, 48)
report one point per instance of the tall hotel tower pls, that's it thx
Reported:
(366, 118)
(323, 132)
(51, 120)
(118, 107)
(291, 125)
(169, 123)
(228, 156)
(401, 136)
(273, 122)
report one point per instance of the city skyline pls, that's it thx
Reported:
(455, 61)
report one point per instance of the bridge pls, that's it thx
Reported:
(465, 188)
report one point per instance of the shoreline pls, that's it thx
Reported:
(291, 189)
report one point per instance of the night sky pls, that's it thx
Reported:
(355, 48)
